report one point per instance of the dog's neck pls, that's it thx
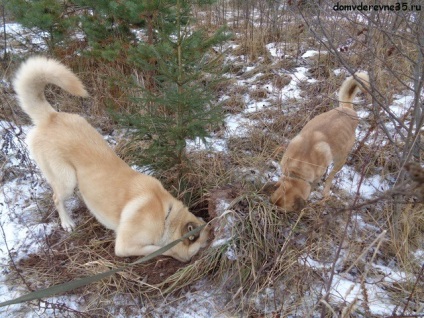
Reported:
(294, 175)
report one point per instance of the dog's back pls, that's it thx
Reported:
(326, 138)
(335, 127)
(59, 141)
(65, 146)
(343, 118)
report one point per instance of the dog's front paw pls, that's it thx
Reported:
(68, 225)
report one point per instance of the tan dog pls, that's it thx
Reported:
(326, 138)
(70, 152)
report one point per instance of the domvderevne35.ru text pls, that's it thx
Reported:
(398, 6)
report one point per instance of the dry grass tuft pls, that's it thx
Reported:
(234, 104)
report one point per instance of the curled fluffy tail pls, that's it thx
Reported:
(31, 80)
(351, 87)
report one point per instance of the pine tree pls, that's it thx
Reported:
(107, 26)
(177, 104)
(46, 17)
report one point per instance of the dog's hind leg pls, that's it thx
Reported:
(338, 165)
(63, 180)
(65, 219)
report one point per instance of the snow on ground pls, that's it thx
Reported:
(349, 289)
(344, 290)
(352, 182)
(22, 231)
(224, 230)
(17, 35)
(18, 210)
(201, 302)
(401, 104)
(292, 91)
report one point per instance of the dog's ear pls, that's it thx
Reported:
(299, 203)
(190, 226)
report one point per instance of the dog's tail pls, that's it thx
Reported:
(351, 86)
(31, 80)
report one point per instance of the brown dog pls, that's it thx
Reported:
(70, 152)
(326, 138)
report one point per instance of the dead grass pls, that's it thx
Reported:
(234, 104)
(8, 111)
